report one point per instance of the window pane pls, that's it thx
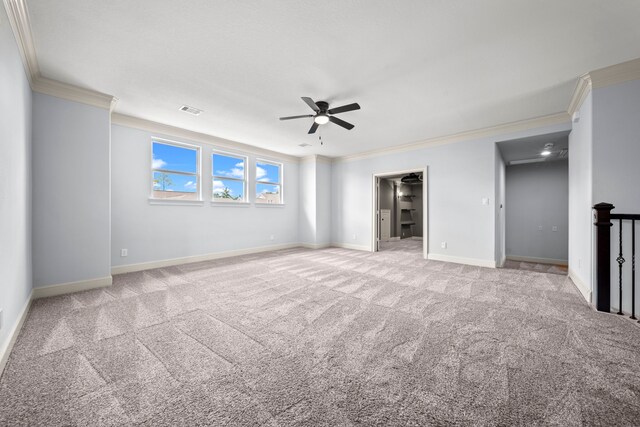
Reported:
(227, 166)
(228, 190)
(267, 172)
(171, 157)
(174, 186)
(268, 193)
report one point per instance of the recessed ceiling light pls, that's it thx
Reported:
(546, 152)
(191, 110)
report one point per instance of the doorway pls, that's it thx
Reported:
(535, 190)
(400, 212)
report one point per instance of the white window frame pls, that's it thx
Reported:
(280, 182)
(197, 174)
(244, 180)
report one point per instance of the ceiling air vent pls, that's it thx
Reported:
(190, 110)
(304, 144)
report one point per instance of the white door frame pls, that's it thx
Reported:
(425, 210)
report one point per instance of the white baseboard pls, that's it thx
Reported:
(366, 248)
(315, 245)
(5, 351)
(535, 260)
(119, 269)
(461, 260)
(502, 261)
(582, 287)
(68, 288)
(394, 238)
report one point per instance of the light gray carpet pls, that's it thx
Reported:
(327, 337)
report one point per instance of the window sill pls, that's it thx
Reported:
(269, 205)
(231, 204)
(175, 202)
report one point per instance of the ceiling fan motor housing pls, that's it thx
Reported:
(323, 106)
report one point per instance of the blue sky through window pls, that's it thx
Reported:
(170, 157)
(267, 172)
(173, 158)
(229, 167)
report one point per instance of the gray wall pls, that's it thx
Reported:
(537, 195)
(460, 174)
(616, 167)
(161, 232)
(15, 182)
(71, 186)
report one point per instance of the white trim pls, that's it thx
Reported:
(197, 174)
(71, 287)
(460, 260)
(536, 260)
(317, 158)
(365, 248)
(21, 26)
(582, 287)
(5, 351)
(20, 22)
(231, 204)
(280, 182)
(315, 245)
(175, 202)
(244, 180)
(202, 138)
(614, 74)
(120, 269)
(502, 261)
(73, 93)
(268, 205)
(519, 126)
(603, 77)
(583, 87)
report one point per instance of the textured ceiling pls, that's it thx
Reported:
(419, 69)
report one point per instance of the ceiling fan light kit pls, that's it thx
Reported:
(325, 115)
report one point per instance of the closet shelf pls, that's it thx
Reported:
(407, 222)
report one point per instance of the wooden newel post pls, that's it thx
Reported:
(603, 255)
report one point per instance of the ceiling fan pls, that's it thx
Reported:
(324, 114)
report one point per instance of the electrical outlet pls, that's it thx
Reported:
(485, 201)
(539, 228)
(272, 237)
(443, 245)
(554, 228)
(124, 252)
(355, 237)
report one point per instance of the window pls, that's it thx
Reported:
(229, 174)
(268, 182)
(175, 171)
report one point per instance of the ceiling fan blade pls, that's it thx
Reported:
(342, 123)
(296, 117)
(344, 108)
(311, 104)
(314, 126)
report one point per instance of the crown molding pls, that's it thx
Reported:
(317, 158)
(161, 129)
(583, 87)
(603, 77)
(21, 26)
(618, 73)
(73, 93)
(523, 125)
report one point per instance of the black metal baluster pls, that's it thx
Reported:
(633, 268)
(620, 260)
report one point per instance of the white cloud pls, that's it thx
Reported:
(191, 185)
(261, 174)
(158, 163)
(240, 165)
(233, 173)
